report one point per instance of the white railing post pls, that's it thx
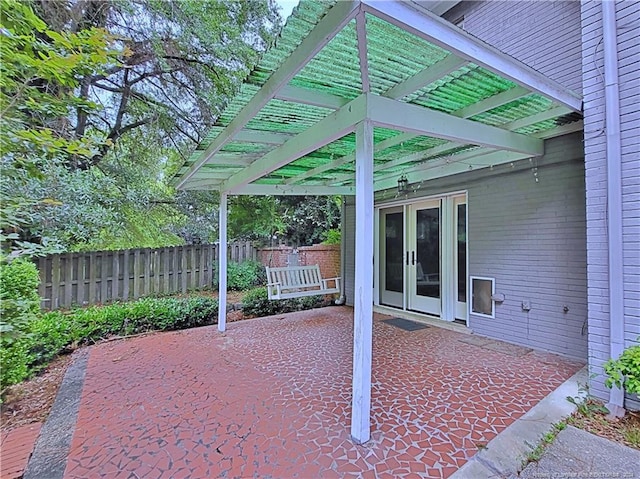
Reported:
(222, 264)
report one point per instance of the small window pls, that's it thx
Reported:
(482, 289)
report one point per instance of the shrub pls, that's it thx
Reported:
(14, 363)
(332, 236)
(53, 332)
(243, 276)
(19, 300)
(256, 303)
(625, 371)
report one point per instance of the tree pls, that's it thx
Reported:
(38, 72)
(183, 59)
(91, 136)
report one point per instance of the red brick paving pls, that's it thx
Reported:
(16, 448)
(271, 399)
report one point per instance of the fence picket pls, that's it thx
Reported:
(83, 278)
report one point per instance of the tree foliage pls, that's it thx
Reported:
(39, 70)
(299, 220)
(182, 59)
(100, 101)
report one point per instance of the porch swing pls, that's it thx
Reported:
(298, 281)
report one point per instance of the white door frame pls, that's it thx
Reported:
(450, 307)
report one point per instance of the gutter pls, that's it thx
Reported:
(614, 196)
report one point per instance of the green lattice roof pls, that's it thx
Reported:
(393, 56)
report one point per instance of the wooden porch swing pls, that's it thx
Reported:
(299, 281)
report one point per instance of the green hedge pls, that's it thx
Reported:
(51, 333)
(19, 300)
(243, 276)
(256, 303)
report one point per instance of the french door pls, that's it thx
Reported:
(423, 257)
(425, 261)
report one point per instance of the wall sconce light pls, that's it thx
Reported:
(403, 184)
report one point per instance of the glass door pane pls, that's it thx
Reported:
(424, 244)
(392, 256)
(428, 252)
(461, 258)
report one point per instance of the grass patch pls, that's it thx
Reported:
(547, 439)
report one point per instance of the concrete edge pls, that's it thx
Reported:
(504, 455)
(49, 458)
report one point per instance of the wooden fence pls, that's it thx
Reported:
(102, 276)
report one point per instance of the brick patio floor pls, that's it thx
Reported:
(271, 398)
(16, 447)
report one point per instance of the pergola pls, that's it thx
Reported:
(356, 93)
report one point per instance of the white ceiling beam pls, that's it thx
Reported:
(437, 162)
(481, 159)
(198, 184)
(537, 118)
(388, 143)
(492, 102)
(420, 155)
(311, 97)
(442, 33)
(334, 126)
(561, 130)
(294, 190)
(260, 136)
(485, 105)
(214, 175)
(223, 159)
(334, 21)
(361, 33)
(397, 115)
(425, 77)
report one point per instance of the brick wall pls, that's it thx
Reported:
(327, 256)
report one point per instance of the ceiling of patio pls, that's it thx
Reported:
(441, 102)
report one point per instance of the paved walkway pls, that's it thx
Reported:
(15, 449)
(271, 398)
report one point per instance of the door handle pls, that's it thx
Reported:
(413, 258)
(407, 258)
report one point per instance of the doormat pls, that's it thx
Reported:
(405, 324)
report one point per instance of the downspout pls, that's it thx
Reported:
(614, 195)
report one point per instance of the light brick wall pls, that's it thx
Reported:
(542, 34)
(326, 256)
(628, 23)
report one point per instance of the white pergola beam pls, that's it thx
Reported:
(492, 102)
(481, 159)
(537, 118)
(361, 33)
(442, 33)
(311, 97)
(425, 77)
(383, 145)
(363, 300)
(332, 127)
(561, 130)
(397, 115)
(420, 155)
(294, 190)
(259, 136)
(434, 163)
(334, 21)
(213, 175)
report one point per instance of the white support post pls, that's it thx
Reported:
(363, 301)
(222, 264)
